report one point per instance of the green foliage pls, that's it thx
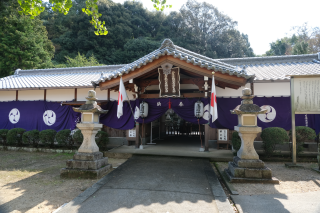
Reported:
(160, 5)
(134, 32)
(14, 136)
(236, 141)
(102, 140)
(79, 61)
(271, 137)
(77, 137)
(47, 137)
(64, 138)
(23, 42)
(303, 133)
(31, 137)
(3, 136)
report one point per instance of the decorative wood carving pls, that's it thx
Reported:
(169, 82)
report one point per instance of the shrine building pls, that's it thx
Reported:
(171, 80)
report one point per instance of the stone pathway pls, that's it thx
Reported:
(155, 184)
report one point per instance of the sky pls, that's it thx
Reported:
(263, 21)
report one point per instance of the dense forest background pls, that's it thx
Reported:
(57, 40)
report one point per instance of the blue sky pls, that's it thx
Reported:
(263, 21)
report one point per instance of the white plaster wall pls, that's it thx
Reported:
(30, 95)
(114, 95)
(101, 94)
(7, 95)
(60, 94)
(230, 92)
(272, 89)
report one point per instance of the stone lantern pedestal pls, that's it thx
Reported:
(246, 166)
(88, 162)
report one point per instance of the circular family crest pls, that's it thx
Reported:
(49, 117)
(269, 116)
(14, 115)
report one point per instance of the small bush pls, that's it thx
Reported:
(236, 141)
(102, 140)
(31, 137)
(47, 137)
(303, 133)
(271, 137)
(14, 136)
(64, 138)
(77, 137)
(3, 136)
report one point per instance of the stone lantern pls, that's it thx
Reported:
(88, 162)
(246, 166)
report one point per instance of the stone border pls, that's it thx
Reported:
(224, 178)
(28, 149)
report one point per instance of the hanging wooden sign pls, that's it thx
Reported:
(169, 81)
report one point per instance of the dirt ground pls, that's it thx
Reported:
(292, 180)
(30, 182)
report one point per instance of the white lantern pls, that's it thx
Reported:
(144, 108)
(198, 109)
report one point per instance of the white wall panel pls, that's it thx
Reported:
(272, 89)
(7, 95)
(30, 95)
(60, 94)
(230, 92)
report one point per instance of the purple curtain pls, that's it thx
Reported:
(157, 107)
(110, 119)
(38, 115)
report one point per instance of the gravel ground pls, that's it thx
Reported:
(292, 180)
(30, 182)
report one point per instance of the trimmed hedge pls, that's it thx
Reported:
(77, 137)
(236, 141)
(31, 137)
(47, 137)
(3, 136)
(271, 137)
(303, 133)
(14, 136)
(64, 138)
(102, 140)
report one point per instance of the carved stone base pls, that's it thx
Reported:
(244, 171)
(86, 165)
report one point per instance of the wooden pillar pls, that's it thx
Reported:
(137, 135)
(75, 94)
(17, 95)
(252, 88)
(108, 94)
(45, 95)
(206, 137)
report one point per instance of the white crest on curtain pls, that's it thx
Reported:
(206, 113)
(136, 112)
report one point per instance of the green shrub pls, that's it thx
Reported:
(3, 136)
(236, 141)
(303, 133)
(14, 136)
(64, 138)
(77, 137)
(47, 137)
(271, 137)
(31, 137)
(102, 140)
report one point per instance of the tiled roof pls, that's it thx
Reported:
(53, 78)
(278, 67)
(168, 48)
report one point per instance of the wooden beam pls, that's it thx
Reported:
(149, 95)
(193, 95)
(45, 95)
(75, 94)
(17, 95)
(230, 79)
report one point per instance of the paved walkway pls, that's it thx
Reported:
(177, 146)
(155, 184)
(278, 203)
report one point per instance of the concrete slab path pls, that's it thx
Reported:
(278, 203)
(155, 184)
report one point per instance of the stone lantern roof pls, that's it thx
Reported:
(91, 105)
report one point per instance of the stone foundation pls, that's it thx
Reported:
(244, 171)
(86, 165)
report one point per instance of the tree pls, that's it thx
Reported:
(23, 42)
(35, 8)
(79, 61)
(305, 40)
